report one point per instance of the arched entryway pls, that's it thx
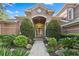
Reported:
(39, 23)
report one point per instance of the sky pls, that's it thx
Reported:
(18, 9)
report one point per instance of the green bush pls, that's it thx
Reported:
(53, 29)
(68, 42)
(7, 36)
(76, 46)
(7, 40)
(27, 28)
(70, 52)
(67, 52)
(21, 41)
(52, 42)
(50, 50)
(70, 35)
(4, 44)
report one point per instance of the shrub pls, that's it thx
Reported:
(52, 42)
(70, 52)
(1, 37)
(27, 28)
(67, 52)
(60, 52)
(50, 50)
(4, 44)
(21, 41)
(76, 46)
(68, 42)
(7, 40)
(7, 37)
(70, 35)
(53, 29)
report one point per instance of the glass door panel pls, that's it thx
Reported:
(39, 32)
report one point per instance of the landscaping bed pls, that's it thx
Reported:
(59, 43)
(15, 45)
(4, 51)
(63, 47)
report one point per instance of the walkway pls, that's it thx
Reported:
(38, 49)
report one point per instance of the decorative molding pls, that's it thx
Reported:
(39, 15)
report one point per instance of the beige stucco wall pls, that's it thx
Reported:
(9, 28)
(71, 29)
(76, 11)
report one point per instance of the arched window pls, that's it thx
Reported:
(70, 13)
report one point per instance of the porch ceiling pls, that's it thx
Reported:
(39, 19)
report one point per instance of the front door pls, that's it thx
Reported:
(39, 32)
(39, 24)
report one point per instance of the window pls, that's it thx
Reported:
(70, 13)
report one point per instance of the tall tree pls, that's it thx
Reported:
(3, 15)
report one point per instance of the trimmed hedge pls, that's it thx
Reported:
(70, 35)
(27, 28)
(53, 29)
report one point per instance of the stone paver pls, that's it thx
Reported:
(38, 49)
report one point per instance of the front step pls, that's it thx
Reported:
(38, 39)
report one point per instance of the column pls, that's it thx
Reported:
(45, 30)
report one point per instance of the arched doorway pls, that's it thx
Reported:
(39, 23)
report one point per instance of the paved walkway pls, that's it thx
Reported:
(38, 49)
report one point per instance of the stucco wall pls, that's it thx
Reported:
(71, 29)
(76, 11)
(9, 28)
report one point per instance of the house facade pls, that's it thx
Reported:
(69, 15)
(40, 16)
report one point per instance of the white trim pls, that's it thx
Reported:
(59, 12)
(39, 15)
(71, 22)
(74, 29)
(64, 21)
(40, 5)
